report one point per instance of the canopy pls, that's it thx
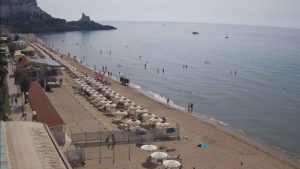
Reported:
(134, 122)
(159, 155)
(162, 124)
(171, 164)
(155, 119)
(149, 147)
(123, 113)
(148, 115)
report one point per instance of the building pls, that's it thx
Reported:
(29, 145)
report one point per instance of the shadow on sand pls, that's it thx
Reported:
(18, 109)
(149, 165)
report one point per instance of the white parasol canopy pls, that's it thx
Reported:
(133, 122)
(162, 124)
(122, 113)
(142, 111)
(148, 115)
(149, 147)
(155, 119)
(171, 164)
(110, 105)
(159, 155)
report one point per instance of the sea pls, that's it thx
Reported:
(243, 77)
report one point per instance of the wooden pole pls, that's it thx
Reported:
(113, 154)
(129, 155)
(99, 155)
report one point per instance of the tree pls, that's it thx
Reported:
(11, 48)
(21, 78)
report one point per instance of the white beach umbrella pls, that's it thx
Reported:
(171, 164)
(111, 104)
(148, 147)
(133, 122)
(130, 103)
(141, 111)
(162, 124)
(103, 102)
(155, 119)
(148, 115)
(159, 155)
(122, 100)
(122, 113)
(134, 107)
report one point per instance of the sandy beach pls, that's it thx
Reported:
(226, 150)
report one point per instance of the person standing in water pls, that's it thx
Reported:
(168, 100)
(163, 70)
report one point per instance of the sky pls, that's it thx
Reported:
(278, 13)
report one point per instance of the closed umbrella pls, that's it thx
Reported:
(159, 155)
(148, 147)
(171, 164)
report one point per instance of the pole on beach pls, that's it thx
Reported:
(129, 155)
(113, 154)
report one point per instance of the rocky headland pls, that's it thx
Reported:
(25, 16)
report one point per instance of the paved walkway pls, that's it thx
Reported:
(16, 100)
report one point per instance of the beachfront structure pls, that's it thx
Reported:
(46, 112)
(28, 51)
(3, 52)
(40, 69)
(29, 145)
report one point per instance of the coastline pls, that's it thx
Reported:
(215, 126)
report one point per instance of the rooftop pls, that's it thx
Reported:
(46, 113)
(29, 145)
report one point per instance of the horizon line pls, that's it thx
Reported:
(195, 22)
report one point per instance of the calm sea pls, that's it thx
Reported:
(250, 80)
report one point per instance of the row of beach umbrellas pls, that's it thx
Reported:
(160, 156)
(91, 86)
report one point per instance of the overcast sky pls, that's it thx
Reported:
(283, 13)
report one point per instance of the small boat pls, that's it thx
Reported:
(195, 33)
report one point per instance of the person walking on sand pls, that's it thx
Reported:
(192, 107)
(107, 140)
(16, 100)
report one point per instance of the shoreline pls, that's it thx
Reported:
(220, 128)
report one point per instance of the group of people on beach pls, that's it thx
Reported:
(190, 107)
(109, 52)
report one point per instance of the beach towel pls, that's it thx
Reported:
(203, 145)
